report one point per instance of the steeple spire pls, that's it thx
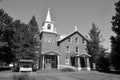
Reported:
(48, 24)
(48, 17)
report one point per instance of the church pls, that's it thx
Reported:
(58, 51)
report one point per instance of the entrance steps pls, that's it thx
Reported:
(84, 69)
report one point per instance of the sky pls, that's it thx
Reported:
(66, 14)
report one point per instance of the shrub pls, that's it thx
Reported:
(22, 77)
(15, 69)
(103, 64)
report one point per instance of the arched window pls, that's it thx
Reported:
(49, 26)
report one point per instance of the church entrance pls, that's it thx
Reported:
(50, 61)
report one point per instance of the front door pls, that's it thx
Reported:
(48, 62)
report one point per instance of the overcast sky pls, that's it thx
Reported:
(66, 14)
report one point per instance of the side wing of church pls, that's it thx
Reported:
(57, 52)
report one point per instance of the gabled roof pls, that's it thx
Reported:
(80, 55)
(51, 52)
(76, 32)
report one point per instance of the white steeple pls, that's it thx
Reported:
(48, 17)
(48, 24)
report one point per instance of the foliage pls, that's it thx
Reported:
(33, 25)
(103, 62)
(23, 41)
(94, 46)
(34, 30)
(115, 40)
(94, 39)
(6, 37)
(17, 39)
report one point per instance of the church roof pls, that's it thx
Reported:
(75, 32)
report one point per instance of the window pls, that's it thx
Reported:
(77, 40)
(69, 40)
(77, 49)
(49, 26)
(67, 49)
(83, 41)
(67, 61)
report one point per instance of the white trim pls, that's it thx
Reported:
(79, 64)
(88, 64)
(88, 68)
(43, 62)
(84, 53)
(58, 62)
(50, 51)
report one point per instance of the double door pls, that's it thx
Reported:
(50, 61)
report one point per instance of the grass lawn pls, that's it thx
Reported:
(79, 75)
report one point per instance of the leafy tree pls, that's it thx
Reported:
(115, 40)
(94, 45)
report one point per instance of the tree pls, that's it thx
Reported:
(94, 44)
(115, 40)
(6, 36)
(103, 61)
(23, 41)
(34, 30)
(33, 25)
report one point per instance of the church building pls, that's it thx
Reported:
(58, 51)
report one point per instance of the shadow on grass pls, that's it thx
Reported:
(5, 69)
(23, 76)
(111, 72)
